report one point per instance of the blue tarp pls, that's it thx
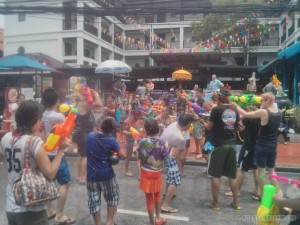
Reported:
(22, 62)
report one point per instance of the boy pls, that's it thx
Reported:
(100, 174)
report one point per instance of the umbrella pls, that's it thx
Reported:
(113, 67)
(22, 62)
(181, 75)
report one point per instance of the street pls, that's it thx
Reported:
(191, 196)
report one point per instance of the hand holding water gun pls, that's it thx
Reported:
(88, 94)
(197, 108)
(158, 107)
(61, 131)
(285, 179)
(135, 133)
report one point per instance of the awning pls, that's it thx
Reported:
(290, 51)
(270, 65)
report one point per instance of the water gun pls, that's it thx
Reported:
(197, 108)
(65, 107)
(158, 107)
(61, 131)
(87, 94)
(285, 179)
(135, 132)
(267, 208)
(246, 99)
(138, 107)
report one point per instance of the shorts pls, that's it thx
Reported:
(265, 156)
(63, 174)
(245, 160)
(25, 218)
(110, 189)
(81, 149)
(173, 174)
(198, 130)
(222, 162)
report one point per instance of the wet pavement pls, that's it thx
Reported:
(191, 196)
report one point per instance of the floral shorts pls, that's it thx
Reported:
(198, 130)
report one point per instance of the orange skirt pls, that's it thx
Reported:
(150, 182)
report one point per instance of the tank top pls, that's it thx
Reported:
(267, 135)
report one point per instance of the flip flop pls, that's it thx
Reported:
(229, 194)
(163, 221)
(52, 216)
(237, 207)
(209, 205)
(256, 197)
(171, 210)
(64, 220)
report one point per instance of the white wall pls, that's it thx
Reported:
(37, 23)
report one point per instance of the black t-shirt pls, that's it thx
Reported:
(252, 127)
(84, 124)
(224, 119)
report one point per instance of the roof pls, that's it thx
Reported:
(290, 51)
(270, 65)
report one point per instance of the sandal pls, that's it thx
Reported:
(51, 216)
(236, 207)
(64, 220)
(210, 206)
(170, 210)
(163, 221)
(128, 174)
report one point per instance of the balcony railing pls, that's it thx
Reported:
(69, 25)
(106, 37)
(119, 44)
(91, 29)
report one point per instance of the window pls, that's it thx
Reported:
(87, 53)
(252, 61)
(22, 17)
(68, 49)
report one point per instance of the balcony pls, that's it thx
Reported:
(291, 30)
(119, 43)
(69, 24)
(106, 37)
(91, 29)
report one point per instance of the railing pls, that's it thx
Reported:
(69, 25)
(91, 29)
(106, 37)
(119, 44)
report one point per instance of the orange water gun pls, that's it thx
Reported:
(88, 94)
(158, 107)
(61, 131)
(135, 132)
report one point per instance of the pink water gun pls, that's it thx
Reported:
(285, 179)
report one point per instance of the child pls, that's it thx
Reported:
(151, 153)
(100, 174)
(135, 122)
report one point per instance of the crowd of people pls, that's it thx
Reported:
(158, 135)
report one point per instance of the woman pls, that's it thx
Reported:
(151, 152)
(251, 87)
(28, 119)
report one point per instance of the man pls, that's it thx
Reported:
(224, 119)
(270, 87)
(141, 90)
(251, 87)
(173, 135)
(265, 151)
(215, 84)
(50, 118)
(149, 86)
(119, 88)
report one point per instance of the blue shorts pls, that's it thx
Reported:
(173, 174)
(265, 156)
(63, 174)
